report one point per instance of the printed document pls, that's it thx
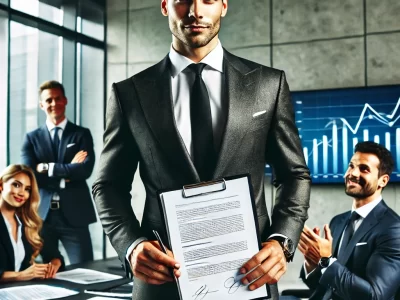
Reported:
(35, 292)
(86, 276)
(213, 232)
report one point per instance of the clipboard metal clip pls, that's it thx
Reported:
(203, 188)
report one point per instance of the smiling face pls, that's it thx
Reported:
(194, 23)
(362, 179)
(53, 103)
(16, 190)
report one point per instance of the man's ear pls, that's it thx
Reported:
(224, 8)
(383, 180)
(164, 7)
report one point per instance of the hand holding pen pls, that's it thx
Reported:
(152, 265)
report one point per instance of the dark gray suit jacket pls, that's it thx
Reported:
(370, 270)
(140, 128)
(75, 199)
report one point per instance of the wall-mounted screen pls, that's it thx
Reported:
(331, 122)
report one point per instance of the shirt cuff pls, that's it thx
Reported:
(132, 247)
(51, 169)
(331, 261)
(277, 234)
(305, 270)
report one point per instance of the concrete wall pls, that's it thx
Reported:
(320, 44)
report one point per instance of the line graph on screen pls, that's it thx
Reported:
(331, 122)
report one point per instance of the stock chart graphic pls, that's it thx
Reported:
(331, 122)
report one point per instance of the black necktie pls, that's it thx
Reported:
(56, 142)
(348, 233)
(204, 155)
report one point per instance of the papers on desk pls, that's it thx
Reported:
(86, 276)
(212, 229)
(110, 294)
(103, 298)
(35, 292)
(122, 291)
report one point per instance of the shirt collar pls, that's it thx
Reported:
(214, 59)
(364, 210)
(9, 225)
(51, 126)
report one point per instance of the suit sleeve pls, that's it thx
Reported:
(382, 272)
(78, 171)
(49, 253)
(291, 175)
(29, 158)
(3, 261)
(111, 190)
(312, 281)
(313, 278)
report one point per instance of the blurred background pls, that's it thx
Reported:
(89, 44)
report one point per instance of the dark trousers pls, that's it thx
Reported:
(76, 240)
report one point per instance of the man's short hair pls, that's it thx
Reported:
(386, 162)
(51, 84)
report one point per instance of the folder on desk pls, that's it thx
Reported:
(212, 229)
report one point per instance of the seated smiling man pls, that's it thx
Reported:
(359, 257)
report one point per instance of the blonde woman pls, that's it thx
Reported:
(20, 225)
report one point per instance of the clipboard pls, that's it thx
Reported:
(204, 191)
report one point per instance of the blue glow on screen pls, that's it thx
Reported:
(331, 122)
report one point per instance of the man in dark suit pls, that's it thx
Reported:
(200, 114)
(62, 155)
(360, 259)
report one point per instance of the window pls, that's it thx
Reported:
(40, 40)
(91, 113)
(40, 9)
(3, 88)
(91, 19)
(35, 57)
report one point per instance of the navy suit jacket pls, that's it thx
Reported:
(7, 257)
(75, 199)
(371, 267)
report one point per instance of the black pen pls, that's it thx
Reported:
(171, 271)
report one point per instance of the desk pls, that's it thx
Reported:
(110, 265)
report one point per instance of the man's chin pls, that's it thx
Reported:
(352, 192)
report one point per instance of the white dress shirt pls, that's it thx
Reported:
(182, 80)
(18, 246)
(51, 128)
(363, 212)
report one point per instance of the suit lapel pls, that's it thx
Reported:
(240, 87)
(370, 221)
(5, 240)
(28, 251)
(337, 233)
(65, 138)
(156, 100)
(45, 138)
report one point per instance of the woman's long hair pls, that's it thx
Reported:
(28, 212)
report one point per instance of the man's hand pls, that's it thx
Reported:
(42, 167)
(313, 246)
(269, 265)
(311, 255)
(79, 157)
(152, 265)
(54, 265)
